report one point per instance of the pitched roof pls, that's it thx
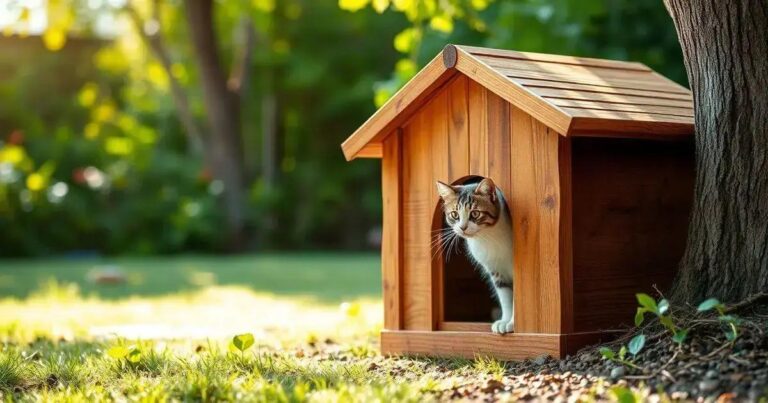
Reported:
(574, 96)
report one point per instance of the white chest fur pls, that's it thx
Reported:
(492, 248)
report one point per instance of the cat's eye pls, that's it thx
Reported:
(454, 215)
(474, 214)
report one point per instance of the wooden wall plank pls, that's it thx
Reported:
(478, 128)
(418, 207)
(498, 142)
(536, 223)
(391, 246)
(469, 344)
(631, 201)
(435, 147)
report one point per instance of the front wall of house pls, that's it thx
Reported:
(465, 129)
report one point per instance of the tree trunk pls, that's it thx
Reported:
(725, 44)
(223, 113)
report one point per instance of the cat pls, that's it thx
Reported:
(478, 214)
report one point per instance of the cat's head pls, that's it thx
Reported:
(470, 208)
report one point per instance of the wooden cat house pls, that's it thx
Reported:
(595, 158)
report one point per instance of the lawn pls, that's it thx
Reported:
(168, 333)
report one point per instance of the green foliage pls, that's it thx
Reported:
(661, 310)
(730, 322)
(243, 341)
(636, 344)
(322, 63)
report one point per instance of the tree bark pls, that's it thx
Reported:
(223, 113)
(725, 44)
(195, 139)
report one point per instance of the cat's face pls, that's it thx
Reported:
(469, 208)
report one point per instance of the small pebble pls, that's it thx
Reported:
(618, 372)
(708, 385)
(712, 374)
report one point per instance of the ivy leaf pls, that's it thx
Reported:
(647, 302)
(639, 316)
(622, 352)
(709, 304)
(607, 353)
(636, 344)
(663, 306)
(679, 336)
(117, 352)
(243, 341)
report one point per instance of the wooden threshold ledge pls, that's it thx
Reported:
(469, 344)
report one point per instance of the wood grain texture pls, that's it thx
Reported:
(534, 84)
(371, 150)
(652, 100)
(470, 344)
(601, 94)
(536, 203)
(392, 231)
(561, 59)
(620, 107)
(399, 108)
(418, 208)
(483, 327)
(631, 201)
(512, 92)
(434, 148)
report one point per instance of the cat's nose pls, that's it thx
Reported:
(464, 227)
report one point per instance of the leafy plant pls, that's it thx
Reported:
(634, 347)
(731, 322)
(661, 310)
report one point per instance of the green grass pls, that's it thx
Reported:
(315, 320)
(329, 278)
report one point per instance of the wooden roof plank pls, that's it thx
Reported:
(537, 83)
(579, 61)
(556, 93)
(620, 107)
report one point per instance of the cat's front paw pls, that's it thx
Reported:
(503, 326)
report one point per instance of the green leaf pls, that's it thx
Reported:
(622, 352)
(607, 353)
(663, 306)
(636, 344)
(647, 302)
(243, 341)
(709, 304)
(117, 352)
(729, 319)
(623, 394)
(352, 5)
(134, 355)
(667, 322)
(679, 336)
(640, 316)
(730, 335)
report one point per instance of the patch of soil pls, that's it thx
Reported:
(707, 366)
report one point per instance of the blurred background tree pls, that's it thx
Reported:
(122, 130)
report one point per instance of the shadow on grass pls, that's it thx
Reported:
(328, 277)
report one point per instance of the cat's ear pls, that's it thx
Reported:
(486, 187)
(444, 190)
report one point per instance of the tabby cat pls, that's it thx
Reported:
(478, 214)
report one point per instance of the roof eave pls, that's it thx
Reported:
(362, 143)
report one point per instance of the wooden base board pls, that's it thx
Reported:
(471, 344)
